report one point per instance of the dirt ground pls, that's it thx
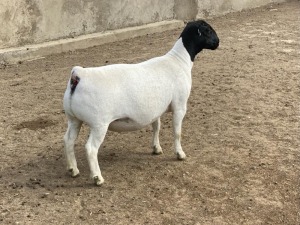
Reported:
(241, 135)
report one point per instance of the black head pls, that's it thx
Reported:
(199, 35)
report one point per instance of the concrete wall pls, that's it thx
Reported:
(208, 8)
(35, 21)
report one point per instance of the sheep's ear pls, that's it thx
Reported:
(199, 32)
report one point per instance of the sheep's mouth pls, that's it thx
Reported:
(214, 45)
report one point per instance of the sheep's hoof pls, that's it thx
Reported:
(98, 181)
(74, 172)
(181, 156)
(157, 150)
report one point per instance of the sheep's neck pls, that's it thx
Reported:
(180, 52)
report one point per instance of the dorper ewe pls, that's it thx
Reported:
(127, 97)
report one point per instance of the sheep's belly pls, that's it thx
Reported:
(125, 124)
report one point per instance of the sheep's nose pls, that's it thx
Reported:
(215, 43)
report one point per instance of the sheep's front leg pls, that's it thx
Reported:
(177, 123)
(96, 138)
(74, 126)
(155, 141)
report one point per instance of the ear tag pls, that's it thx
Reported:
(199, 32)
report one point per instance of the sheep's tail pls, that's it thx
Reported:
(74, 80)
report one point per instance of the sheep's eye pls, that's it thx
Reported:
(199, 32)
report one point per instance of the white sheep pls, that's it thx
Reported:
(127, 97)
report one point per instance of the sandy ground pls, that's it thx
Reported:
(241, 135)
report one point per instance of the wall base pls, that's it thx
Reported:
(31, 52)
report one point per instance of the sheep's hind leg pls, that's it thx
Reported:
(74, 126)
(177, 123)
(155, 141)
(96, 138)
